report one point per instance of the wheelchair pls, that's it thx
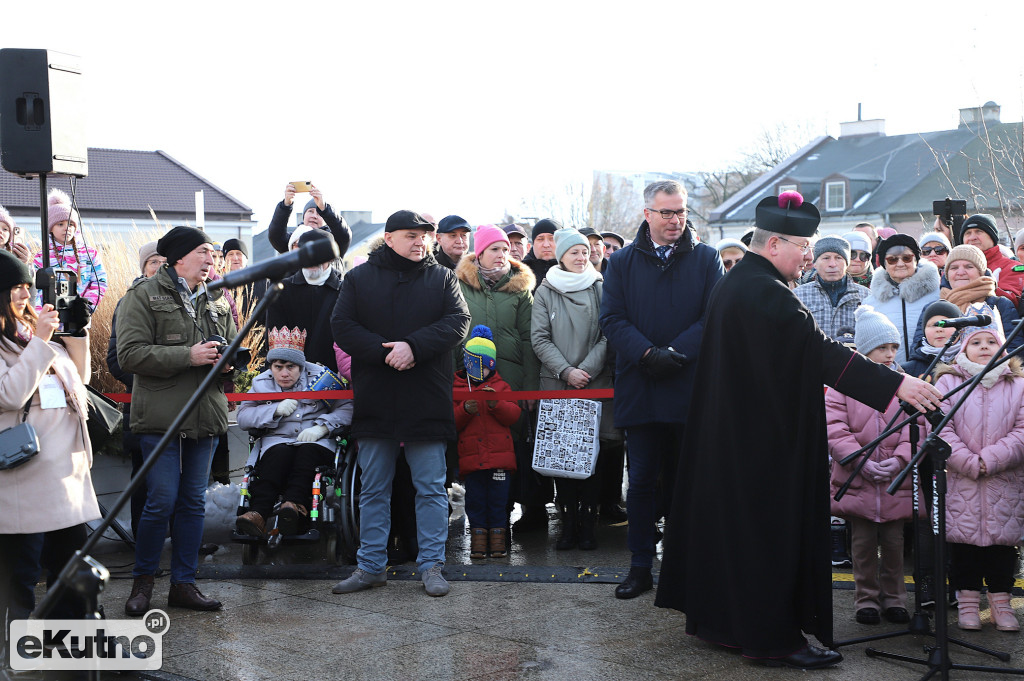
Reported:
(333, 515)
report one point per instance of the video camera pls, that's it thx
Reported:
(59, 288)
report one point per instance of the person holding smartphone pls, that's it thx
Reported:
(9, 233)
(317, 214)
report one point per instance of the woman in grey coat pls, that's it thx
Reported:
(295, 436)
(567, 339)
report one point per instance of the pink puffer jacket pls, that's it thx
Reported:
(851, 425)
(989, 510)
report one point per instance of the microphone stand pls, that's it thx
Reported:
(919, 620)
(83, 574)
(938, 660)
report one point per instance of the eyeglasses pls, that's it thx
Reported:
(937, 250)
(730, 263)
(863, 256)
(803, 248)
(893, 259)
(667, 214)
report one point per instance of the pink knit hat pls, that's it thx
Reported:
(60, 209)
(485, 236)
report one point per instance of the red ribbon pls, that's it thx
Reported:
(592, 394)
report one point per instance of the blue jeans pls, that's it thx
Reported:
(175, 485)
(652, 451)
(377, 469)
(487, 498)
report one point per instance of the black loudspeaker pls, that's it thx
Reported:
(42, 124)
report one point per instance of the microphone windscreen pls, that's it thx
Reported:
(317, 252)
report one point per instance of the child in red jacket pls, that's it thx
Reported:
(486, 456)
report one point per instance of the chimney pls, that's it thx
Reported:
(874, 127)
(988, 113)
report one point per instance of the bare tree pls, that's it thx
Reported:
(568, 205)
(614, 206)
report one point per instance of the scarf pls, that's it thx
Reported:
(565, 281)
(393, 261)
(973, 369)
(24, 331)
(493, 275)
(930, 350)
(833, 289)
(975, 292)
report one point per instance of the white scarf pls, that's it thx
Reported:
(973, 369)
(570, 282)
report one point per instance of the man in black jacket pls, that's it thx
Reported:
(317, 214)
(541, 257)
(399, 315)
(452, 240)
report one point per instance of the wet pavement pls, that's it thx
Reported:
(540, 614)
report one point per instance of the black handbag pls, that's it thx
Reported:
(103, 416)
(19, 443)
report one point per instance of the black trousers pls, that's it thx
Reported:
(287, 471)
(970, 565)
(22, 558)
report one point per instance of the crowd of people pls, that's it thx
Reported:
(661, 317)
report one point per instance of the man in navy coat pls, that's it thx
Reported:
(655, 295)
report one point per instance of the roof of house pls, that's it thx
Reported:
(128, 181)
(362, 231)
(897, 174)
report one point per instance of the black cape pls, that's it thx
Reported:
(747, 546)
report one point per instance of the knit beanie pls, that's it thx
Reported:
(59, 208)
(832, 244)
(545, 226)
(730, 243)
(898, 239)
(873, 329)
(287, 345)
(566, 238)
(487, 235)
(13, 272)
(5, 217)
(312, 204)
(940, 308)
(971, 254)
(934, 237)
(147, 251)
(858, 241)
(479, 353)
(181, 241)
(984, 222)
(235, 245)
(995, 328)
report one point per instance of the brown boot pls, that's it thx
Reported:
(252, 524)
(291, 518)
(137, 604)
(497, 545)
(477, 543)
(189, 596)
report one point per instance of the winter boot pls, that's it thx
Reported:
(968, 605)
(137, 604)
(588, 520)
(840, 556)
(1002, 611)
(570, 529)
(478, 543)
(498, 545)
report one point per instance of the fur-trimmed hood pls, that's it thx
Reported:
(1012, 369)
(922, 282)
(521, 277)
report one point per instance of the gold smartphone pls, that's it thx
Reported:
(303, 186)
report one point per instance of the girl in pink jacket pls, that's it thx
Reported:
(875, 517)
(985, 501)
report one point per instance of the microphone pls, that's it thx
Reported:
(961, 322)
(309, 254)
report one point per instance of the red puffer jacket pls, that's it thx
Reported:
(485, 442)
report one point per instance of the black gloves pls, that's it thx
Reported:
(80, 312)
(662, 362)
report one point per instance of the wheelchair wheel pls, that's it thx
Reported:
(348, 511)
(250, 554)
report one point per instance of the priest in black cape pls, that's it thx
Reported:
(753, 481)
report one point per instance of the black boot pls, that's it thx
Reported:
(588, 520)
(840, 556)
(570, 529)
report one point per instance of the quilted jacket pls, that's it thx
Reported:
(987, 510)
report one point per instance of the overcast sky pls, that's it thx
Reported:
(469, 107)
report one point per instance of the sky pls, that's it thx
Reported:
(480, 108)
